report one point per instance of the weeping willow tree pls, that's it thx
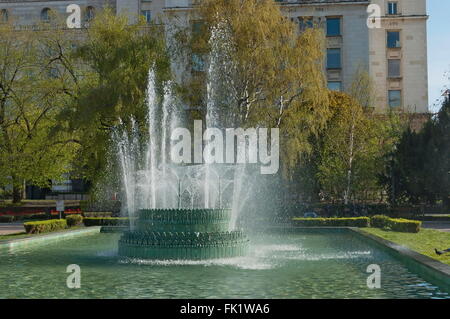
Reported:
(264, 72)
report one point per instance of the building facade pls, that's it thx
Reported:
(393, 49)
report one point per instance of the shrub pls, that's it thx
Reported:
(74, 220)
(105, 221)
(6, 219)
(333, 222)
(404, 225)
(379, 221)
(97, 214)
(45, 226)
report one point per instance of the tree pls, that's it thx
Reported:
(111, 64)
(351, 149)
(32, 94)
(420, 166)
(262, 72)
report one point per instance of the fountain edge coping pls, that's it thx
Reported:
(45, 238)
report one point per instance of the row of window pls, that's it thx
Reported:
(89, 14)
(333, 24)
(394, 96)
(393, 41)
(46, 14)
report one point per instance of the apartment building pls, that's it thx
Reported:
(394, 51)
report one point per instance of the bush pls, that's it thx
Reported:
(113, 206)
(105, 221)
(379, 221)
(6, 219)
(74, 220)
(97, 214)
(404, 225)
(333, 222)
(45, 226)
(395, 224)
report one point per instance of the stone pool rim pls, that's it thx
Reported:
(48, 237)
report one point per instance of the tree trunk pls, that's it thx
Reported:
(17, 194)
(350, 165)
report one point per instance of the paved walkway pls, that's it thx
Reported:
(11, 228)
(441, 226)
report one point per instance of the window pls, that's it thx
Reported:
(333, 27)
(4, 16)
(335, 85)
(90, 13)
(147, 15)
(395, 98)
(393, 39)
(198, 63)
(45, 15)
(197, 27)
(305, 23)
(333, 58)
(392, 8)
(394, 68)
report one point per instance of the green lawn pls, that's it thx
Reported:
(423, 242)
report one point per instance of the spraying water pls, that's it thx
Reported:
(150, 181)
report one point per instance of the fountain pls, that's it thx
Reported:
(178, 211)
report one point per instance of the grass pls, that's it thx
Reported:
(423, 242)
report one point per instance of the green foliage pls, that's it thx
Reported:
(395, 224)
(100, 206)
(404, 225)
(74, 220)
(45, 226)
(379, 221)
(267, 74)
(418, 170)
(97, 214)
(105, 221)
(111, 67)
(32, 95)
(351, 148)
(333, 222)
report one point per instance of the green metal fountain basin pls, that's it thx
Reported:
(186, 234)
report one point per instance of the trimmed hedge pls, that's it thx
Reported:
(97, 214)
(404, 225)
(333, 222)
(45, 226)
(379, 221)
(105, 221)
(74, 220)
(396, 224)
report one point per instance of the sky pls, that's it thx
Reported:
(438, 50)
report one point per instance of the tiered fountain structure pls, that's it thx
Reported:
(191, 234)
(178, 211)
